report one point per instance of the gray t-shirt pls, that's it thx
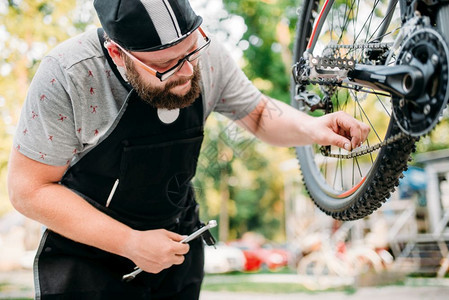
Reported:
(75, 98)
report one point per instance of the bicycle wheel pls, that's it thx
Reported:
(349, 189)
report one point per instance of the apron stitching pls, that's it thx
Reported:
(37, 287)
(108, 132)
(113, 67)
(197, 117)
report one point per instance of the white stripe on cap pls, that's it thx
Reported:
(164, 19)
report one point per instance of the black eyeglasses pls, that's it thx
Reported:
(170, 72)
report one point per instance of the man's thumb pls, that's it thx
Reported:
(342, 143)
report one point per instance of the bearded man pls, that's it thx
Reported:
(108, 142)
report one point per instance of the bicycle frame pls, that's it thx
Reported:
(325, 10)
(401, 81)
(407, 8)
(388, 70)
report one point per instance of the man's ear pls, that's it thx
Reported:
(114, 53)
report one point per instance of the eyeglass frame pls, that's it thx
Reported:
(176, 67)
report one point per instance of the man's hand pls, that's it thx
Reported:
(156, 250)
(35, 192)
(280, 124)
(338, 129)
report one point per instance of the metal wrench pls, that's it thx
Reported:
(137, 271)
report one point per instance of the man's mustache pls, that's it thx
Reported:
(173, 84)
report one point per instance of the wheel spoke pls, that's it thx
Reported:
(368, 120)
(368, 19)
(345, 29)
(356, 30)
(389, 14)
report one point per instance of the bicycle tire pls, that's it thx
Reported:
(379, 181)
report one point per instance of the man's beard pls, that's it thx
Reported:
(163, 97)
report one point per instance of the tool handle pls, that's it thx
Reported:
(197, 233)
(132, 275)
(137, 271)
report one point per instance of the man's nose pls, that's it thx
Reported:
(186, 69)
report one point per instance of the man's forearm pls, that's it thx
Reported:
(34, 192)
(66, 213)
(278, 124)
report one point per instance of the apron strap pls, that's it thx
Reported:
(100, 33)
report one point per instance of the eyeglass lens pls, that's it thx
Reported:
(190, 57)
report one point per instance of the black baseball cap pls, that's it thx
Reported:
(147, 25)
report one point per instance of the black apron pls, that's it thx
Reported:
(154, 163)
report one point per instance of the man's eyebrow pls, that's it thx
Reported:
(162, 61)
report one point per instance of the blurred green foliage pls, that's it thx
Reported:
(28, 29)
(238, 178)
(244, 179)
(242, 176)
(239, 181)
(270, 26)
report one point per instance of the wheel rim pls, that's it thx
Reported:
(341, 179)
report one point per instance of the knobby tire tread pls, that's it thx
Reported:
(377, 188)
(391, 162)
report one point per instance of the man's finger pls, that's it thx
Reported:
(340, 141)
(179, 259)
(356, 136)
(174, 236)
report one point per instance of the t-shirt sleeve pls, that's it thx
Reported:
(46, 131)
(227, 89)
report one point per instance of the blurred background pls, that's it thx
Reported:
(271, 237)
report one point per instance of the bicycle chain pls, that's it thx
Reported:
(363, 150)
(361, 46)
(349, 64)
(334, 62)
